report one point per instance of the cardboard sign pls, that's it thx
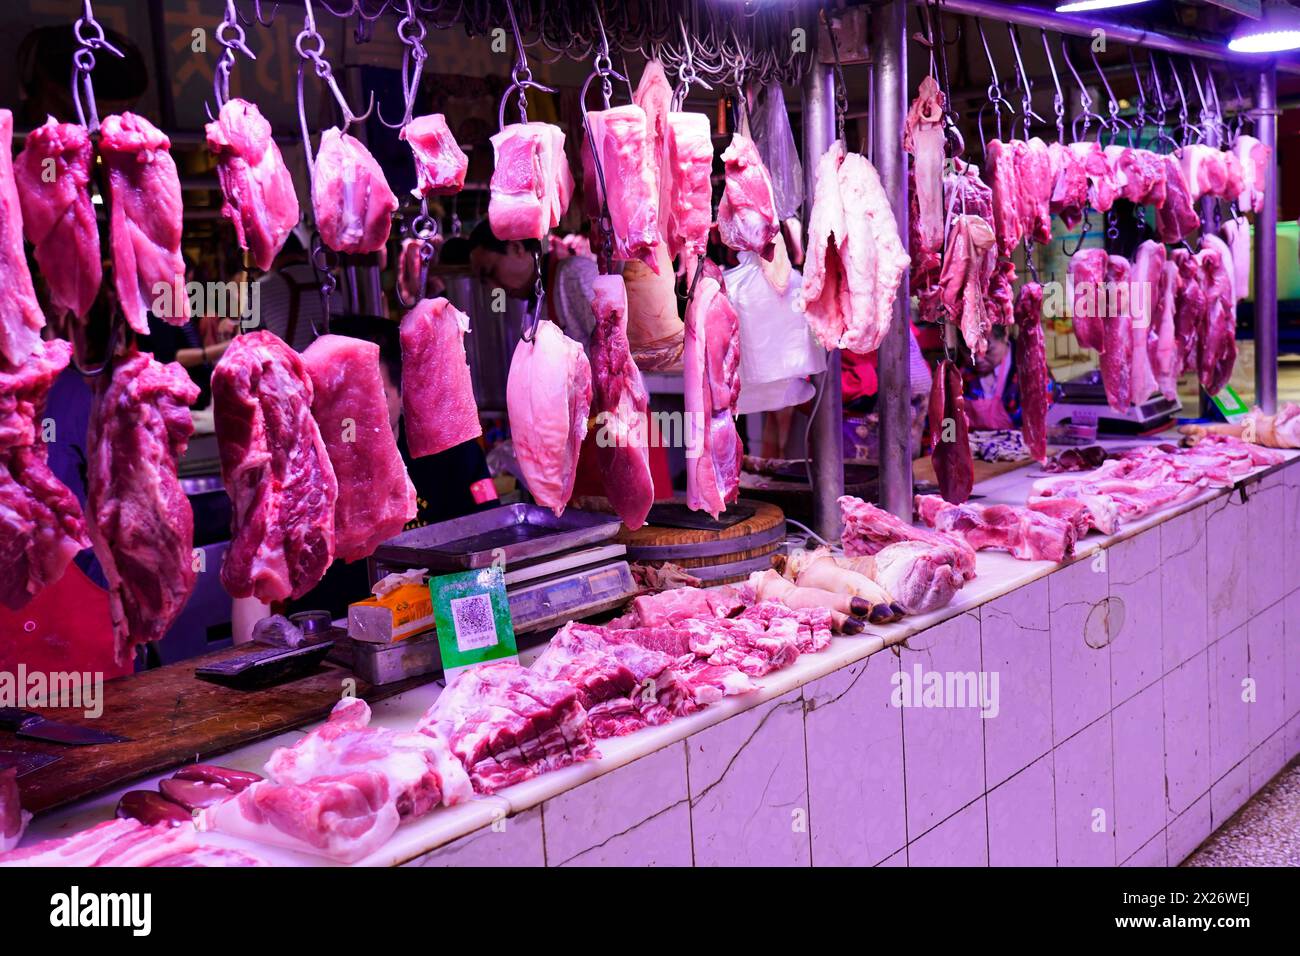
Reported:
(472, 615)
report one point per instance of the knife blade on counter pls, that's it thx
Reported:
(33, 726)
(25, 761)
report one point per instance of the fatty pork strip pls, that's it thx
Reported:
(1163, 343)
(276, 470)
(621, 404)
(1117, 335)
(259, 197)
(438, 406)
(622, 174)
(41, 524)
(1255, 159)
(145, 214)
(923, 139)
(1027, 534)
(747, 220)
(1031, 363)
(58, 215)
(1147, 279)
(711, 375)
(21, 318)
(548, 397)
(1176, 219)
(376, 497)
(1217, 346)
(353, 203)
(140, 518)
(440, 163)
(531, 181)
(954, 466)
(687, 215)
(654, 96)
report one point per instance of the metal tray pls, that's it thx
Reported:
(515, 532)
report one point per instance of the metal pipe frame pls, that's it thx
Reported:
(893, 397)
(825, 440)
(1266, 249)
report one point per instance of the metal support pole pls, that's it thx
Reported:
(893, 397)
(1266, 250)
(826, 439)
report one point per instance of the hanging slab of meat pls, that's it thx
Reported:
(655, 96)
(1008, 222)
(711, 379)
(1117, 336)
(1162, 343)
(437, 393)
(1028, 535)
(655, 331)
(376, 497)
(41, 524)
(869, 530)
(22, 321)
(1235, 234)
(1033, 173)
(1069, 184)
(259, 198)
(440, 163)
(419, 768)
(1176, 218)
(276, 470)
(548, 396)
(353, 204)
(1102, 188)
(1145, 285)
(140, 518)
(1190, 305)
(145, 212)
(506, 724)
(623, 163)
(1088, 277)
(820, 298)
(1139, 175)
(1255, 159)
(954, 467)
(687, 215)
(967, 270)
(531, 181)
(1031, 365)
(621, 405)
(747, 220)
(1205, 168)
(1217, 347)
(53, 177)
(923, 139)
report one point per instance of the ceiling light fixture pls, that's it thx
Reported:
(1277, 29)
(1085, 6)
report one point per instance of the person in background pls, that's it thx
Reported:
(509, 265)
(448, 485)
(859, 386)
(991, 388)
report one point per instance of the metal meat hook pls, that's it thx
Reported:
(1027, 103)
(1058, 99)
(314, 53)
(1086, 115)
(230, 34)
(424, 229)
(521, 78)
(411, 31)
(90, 37)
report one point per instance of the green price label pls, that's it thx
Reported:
(472, 614)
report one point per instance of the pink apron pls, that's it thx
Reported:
(989, 412)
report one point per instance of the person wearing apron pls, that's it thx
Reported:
(992, 394)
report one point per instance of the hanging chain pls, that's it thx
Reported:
(90, 37)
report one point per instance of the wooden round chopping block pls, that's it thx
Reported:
(742, 544)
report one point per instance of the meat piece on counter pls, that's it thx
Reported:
(531, 181)
(376, 498)
(20, 327)
(1274, 431)
(353, 203)
(1028, 535)
(13, 818)
(868, 530)
(688, 214)
(621, 405)
(1117, 335)
(821, 569)
(145, 213)
(41, 524)
(210, 856)
(846, 613)
(711, 379)
(1145, 285)
(923, 139)
(855, 258)
(141, 522)
(152, 809)
(345, 817)
(917, 575)
(1255, 159)
(58, 214)
(548, 397)
(954, 467)
(193, 794)
(623, 176)
(747, 220)
(1217, 346)
(506, 724)
(655, 332)
(1088, 276)
(1162, 343)
(276, 470)
(117, 842)
(438, 405)
(259, 197)
(420, 770)
(1031, 364)
(440, 163)
(228, 777)
(1176, 219)
(669, 608)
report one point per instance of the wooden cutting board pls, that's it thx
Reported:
(758, 535)
(172, 718)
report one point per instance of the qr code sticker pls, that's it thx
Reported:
(474, 622)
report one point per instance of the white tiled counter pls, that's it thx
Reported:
(1144, 692)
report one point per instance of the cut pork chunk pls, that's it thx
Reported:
(21, 319)
(711, 379)
(438, 403)
(747, 219)
(1029, 535)
(353, 202)
(531, 181)
(687, 215)
(617, 152)
(440, 163)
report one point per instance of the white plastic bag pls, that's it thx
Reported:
(777, 349)
(769, 126)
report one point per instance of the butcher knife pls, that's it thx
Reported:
(33, 726)
(25, 761)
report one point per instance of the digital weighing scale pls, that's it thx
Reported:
(1082, 403)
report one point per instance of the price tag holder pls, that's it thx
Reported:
(1230, 405)
(472, 615)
